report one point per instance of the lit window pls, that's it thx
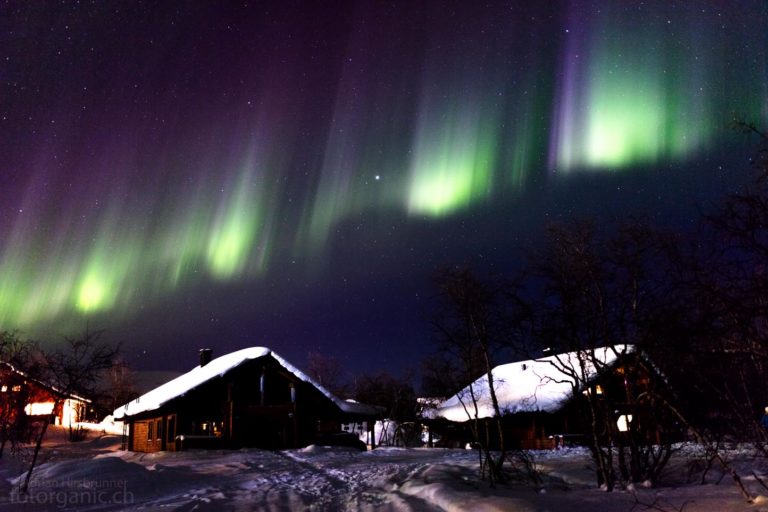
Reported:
(623, 422)
(38, 408)
(4, 389)
(598, 390)
(16, 388)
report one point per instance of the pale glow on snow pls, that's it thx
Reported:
(69, 412)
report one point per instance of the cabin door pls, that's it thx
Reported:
(170, 432)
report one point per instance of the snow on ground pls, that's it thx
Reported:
(96, 475)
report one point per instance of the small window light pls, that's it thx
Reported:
(598, 390)
(623, 422)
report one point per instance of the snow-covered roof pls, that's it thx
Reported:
(217, 367)
(526, 386)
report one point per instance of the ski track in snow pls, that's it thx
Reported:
(311, 479)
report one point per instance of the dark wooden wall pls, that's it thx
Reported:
(257, 404)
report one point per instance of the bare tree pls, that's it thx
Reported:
(724, 323)
(17, 359)
(397, 398)
(116, 386)
(598, 296)
(74, 369)
(470, 332)
(328, 372)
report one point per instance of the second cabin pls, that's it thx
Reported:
(543, 401)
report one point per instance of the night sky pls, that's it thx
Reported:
(291, 174)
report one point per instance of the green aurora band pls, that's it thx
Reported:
(623, 99)
(453, 165)
(630, 97)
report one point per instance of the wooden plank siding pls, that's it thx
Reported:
(146, 437)
(154, 434)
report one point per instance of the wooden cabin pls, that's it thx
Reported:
(25, 400)
(542, 405)
(249, 398)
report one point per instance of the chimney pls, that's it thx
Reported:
(205, 356)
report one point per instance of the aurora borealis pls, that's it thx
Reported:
(290, 174)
